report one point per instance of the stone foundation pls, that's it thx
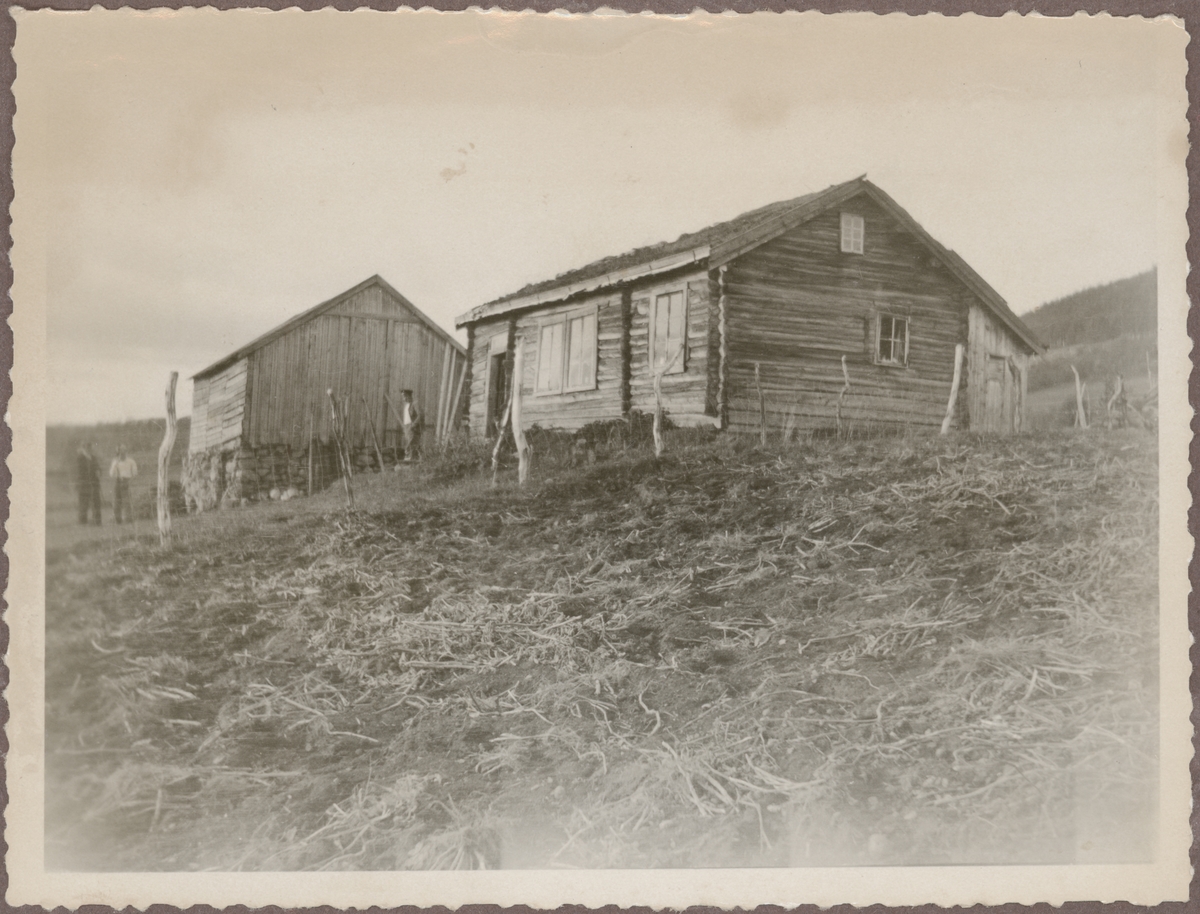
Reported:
(229, 477)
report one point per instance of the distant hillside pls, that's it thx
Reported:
(1127, 306)
(141, 438)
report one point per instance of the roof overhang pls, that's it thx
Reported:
(567, 290)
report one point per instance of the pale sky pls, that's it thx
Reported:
(203, 176)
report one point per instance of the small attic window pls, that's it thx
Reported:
(852, 233)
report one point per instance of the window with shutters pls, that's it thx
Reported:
(853, 229)
(566, 358)
(668, 332)
(891, 339)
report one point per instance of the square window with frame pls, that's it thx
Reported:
(566, 357)
(668, 332)
(853, 231)
(891, 339)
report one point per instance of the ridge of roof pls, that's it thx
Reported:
(709, 236)
(723, 241)
(304, 316)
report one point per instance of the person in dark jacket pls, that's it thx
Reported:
(87, 483)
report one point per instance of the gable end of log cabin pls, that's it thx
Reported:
(843, 283)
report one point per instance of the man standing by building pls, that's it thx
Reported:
(411, 422)
(123, 470)
(87, 483)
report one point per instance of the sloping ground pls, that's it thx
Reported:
(1133, 356)
(918, 650)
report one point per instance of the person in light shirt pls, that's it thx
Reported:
(123, 470)
(411, 422)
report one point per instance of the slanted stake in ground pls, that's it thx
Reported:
(164, 461)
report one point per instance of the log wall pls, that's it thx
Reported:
(797, 304)
(623, 378)
(218, 408)
(683, 394)
(577, 408)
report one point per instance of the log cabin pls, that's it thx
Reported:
(797, 300)
(261, 416)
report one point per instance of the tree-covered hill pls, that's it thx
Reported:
(1127, 306)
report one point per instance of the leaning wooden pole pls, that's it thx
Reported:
(504, 417)
(841, 395)
(374, 437)
(310, 452)
(443, 394)
(659, 444)
(164, 464)
(460, 372)
(345, 428)
(340, 448)
(762, 408)
(958, 360)
(1080, 415)
(517, 430)
(452, 413)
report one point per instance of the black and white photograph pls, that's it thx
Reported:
(742, 456)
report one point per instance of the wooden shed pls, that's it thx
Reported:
(777, 299)
(261, 411)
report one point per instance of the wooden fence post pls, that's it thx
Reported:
(841, 394)
(310, 452)
(374, 438)
(1080, 415)
(762, 409)
(504, 421)
(659, 444)
(518, 432)
(164, 463)
(958, 360)
(339, 446)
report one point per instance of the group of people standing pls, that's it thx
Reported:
(87, 483)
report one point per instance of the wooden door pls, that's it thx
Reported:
(497, 393)
(995, 413)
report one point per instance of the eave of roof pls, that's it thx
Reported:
(301, 318)
(560, 292)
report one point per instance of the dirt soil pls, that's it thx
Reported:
(920, 650)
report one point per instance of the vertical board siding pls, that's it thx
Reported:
(797, 304)
(988, 337)
(365, 349)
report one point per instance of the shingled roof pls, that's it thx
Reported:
(722, 242)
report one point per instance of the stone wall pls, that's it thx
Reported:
(230, 477)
